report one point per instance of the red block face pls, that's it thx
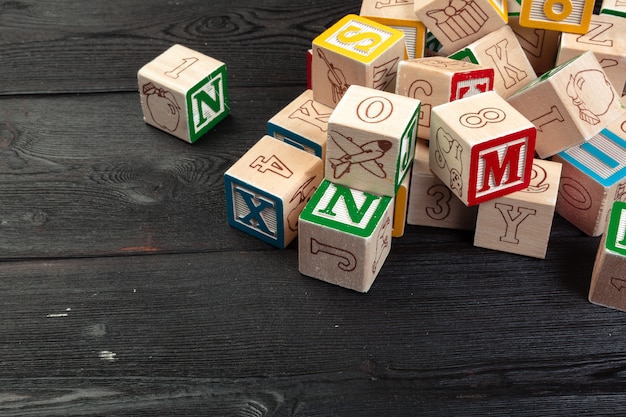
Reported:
(501, 166)
(470, 83)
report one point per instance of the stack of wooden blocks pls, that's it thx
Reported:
(482, 115)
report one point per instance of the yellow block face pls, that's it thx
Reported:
(560, 15)
(358, 38)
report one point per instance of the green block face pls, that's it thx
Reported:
(207, 103)
(407, 149)
(616, 233)
(345, 209)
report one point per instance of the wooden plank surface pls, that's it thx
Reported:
(125, 292)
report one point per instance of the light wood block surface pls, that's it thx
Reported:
(540, 45)
(613, 7)
(431, 202)
(457, 23)
(606, 37)
(184, 92)
(344, 236)
(608, 279)
(569, 104)
(371, 140)
(267, 188)
(439, 80)
(502, 51)
(594, 174)
(398, 14)
(358, 51)
(481, 147)
(302, 123)
(521, 222)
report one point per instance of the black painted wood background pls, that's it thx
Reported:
(123, 291)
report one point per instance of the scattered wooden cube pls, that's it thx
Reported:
(594, 174)
(398, 14)
(569, 104)
(457, 23)
(431, 202)
(502, 51)
(481, 147)
(561, 15)
(184, 92)
(303, 123)
(521, 222)
(613, 7)
(438, 80)
(267, 188)
(371, 140)
(608, 279)
(344, 236)
(606, 37)
(358, 51)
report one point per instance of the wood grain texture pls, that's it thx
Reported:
(124, 292)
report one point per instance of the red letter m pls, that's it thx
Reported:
(492, 168)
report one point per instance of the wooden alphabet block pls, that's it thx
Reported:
(457, 23)
(560, 15)
(502, 51)
(606, 37)
(303, 123)
(613, 7)
(184, 92)
(608, 279)
(344, 236)
(371, 140)
(481, 147)
(438, 80)
(267, 188)
(431, 202)
(594, 174)
(355, 51)
(520, 222)
(539, 45)
(569, 104)
(398, 14)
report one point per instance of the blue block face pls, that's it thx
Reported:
(294, 139)
(602, 158)
(254, 211)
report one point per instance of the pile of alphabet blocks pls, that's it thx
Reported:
(484, 115)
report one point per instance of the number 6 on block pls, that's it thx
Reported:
(559, 15)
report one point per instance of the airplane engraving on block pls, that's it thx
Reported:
(365, 155)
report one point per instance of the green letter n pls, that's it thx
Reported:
(356, 214)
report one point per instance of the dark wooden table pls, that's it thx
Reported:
(125, 292)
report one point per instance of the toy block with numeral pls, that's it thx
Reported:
(431, 202)
(184, 92)
(267, 188)
(608, 279)
(594, 174)
(438, 80)
(398, 14)
(481, 147)
(520, 222)
(355, 51)
(502, 51)
(344, 236)
(560, 15)
(606, 37)
(303, 123)
(457, 23)
(614, 7)
(371, 140)
(569, 104)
